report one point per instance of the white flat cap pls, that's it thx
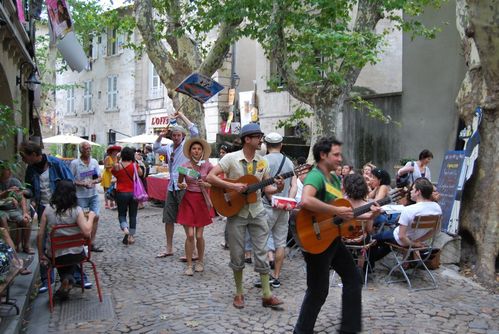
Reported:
(273, 138)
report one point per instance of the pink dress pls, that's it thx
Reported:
(193, 210)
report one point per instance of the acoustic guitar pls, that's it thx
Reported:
(314, 232)
(229, 202)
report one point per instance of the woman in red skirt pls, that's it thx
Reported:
(195, 210)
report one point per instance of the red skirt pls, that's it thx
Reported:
(193, 210)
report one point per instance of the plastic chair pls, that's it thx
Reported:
(69, 241)
(409, 259)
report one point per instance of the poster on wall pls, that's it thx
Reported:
(245, 106)
(59, 18)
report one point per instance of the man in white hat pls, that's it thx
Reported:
(277, 218)
(251, 216)
(175, 156)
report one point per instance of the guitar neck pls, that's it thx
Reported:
(367, 207)
(254, 187)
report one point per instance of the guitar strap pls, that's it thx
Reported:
(245, 167)
(280, 166)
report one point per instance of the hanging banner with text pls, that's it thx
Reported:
(448, 182)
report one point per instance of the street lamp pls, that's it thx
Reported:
(32, 80)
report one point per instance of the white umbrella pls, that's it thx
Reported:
(144, 139)
(67, 139)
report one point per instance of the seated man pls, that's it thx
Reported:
(404, 234)
(14, 208)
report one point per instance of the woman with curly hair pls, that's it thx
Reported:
(63, 210)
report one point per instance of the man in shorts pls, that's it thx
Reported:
(175, 156)
(87, 174)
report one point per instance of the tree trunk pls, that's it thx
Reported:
(477, 24)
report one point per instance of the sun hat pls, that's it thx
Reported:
(113, 148)
(250, 129)
(204, 143)
(273, 138)
(177, 128)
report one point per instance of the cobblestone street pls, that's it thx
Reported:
(144, 294)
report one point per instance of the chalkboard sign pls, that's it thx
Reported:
(448, 184)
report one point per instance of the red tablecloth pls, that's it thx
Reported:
(156, 187)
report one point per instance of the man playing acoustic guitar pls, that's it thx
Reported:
(252, 215)
(321, 187)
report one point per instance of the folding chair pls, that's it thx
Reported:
(58, 242)
(409, 259)
(359, 245)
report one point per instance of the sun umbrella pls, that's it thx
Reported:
(144, 139)
(67, 139)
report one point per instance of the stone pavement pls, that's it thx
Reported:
(143, 294)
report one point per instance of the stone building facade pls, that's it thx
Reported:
(17, 66)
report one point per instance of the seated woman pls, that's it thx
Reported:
(64, 210)
(356, 191)
(380, 184)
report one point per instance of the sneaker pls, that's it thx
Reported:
(44, 287)
(199, 267)
(86, 283)
(189, 271)
(275, 283)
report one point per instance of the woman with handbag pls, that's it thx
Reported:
(124, 172)
(195, 210)
(419, 168)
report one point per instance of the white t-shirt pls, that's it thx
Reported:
(410, 212)
(299, 190)
(45, 192)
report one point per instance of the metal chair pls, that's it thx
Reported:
(58, 242)
(359, 245)
(409, 259)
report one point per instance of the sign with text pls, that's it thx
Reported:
(448, 182)
(199, 87)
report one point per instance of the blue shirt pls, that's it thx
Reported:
(57, 171)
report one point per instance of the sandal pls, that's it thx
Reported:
(25, 271)
(28, 250)
(162, 255)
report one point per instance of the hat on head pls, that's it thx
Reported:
(177, 128)
(250, 129)
(112, 148)
(204, 143)
(273, 138)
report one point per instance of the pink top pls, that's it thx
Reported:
(204, 169)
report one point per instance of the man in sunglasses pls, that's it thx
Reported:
(175, 157)
(251, 217)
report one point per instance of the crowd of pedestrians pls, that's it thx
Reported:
(257, 232)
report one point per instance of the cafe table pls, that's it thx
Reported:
(156, 187)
